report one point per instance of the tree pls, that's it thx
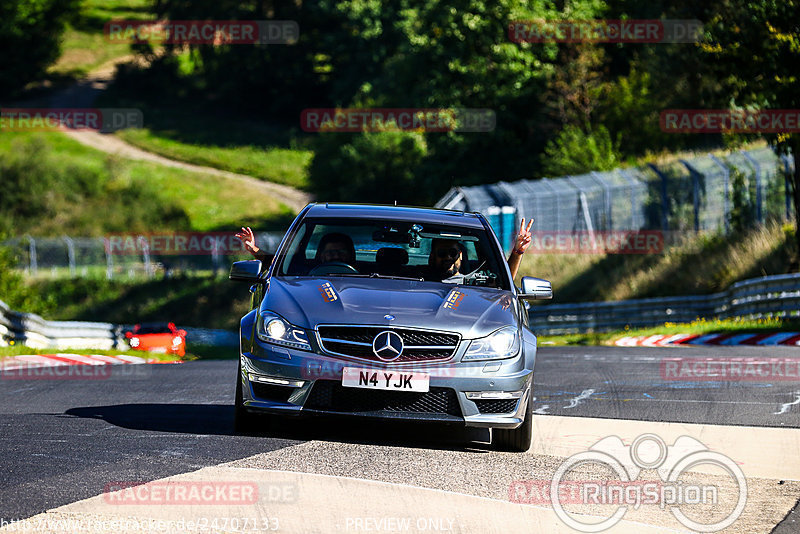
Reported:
(30, 33)
(378, 167)
(754, 47)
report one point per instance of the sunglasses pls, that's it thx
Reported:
(447, 253)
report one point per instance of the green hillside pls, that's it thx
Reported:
(54, 186)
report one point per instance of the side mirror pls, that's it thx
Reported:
(245, 271)
(536, 289)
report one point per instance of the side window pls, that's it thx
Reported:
(313, 243)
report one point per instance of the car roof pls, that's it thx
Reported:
(394, 213)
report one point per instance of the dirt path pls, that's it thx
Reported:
(85, 92)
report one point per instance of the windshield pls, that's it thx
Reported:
(429, 252)
(152, 329)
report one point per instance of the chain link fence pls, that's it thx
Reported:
(56, 257)
(705, 193)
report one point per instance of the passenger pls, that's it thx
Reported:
(445, 260)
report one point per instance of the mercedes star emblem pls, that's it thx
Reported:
(388, 346)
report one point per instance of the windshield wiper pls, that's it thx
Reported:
(378, 275)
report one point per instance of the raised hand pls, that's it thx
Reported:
(248, 239)
(523, 239)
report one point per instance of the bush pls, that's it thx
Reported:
(45, 193)
(379, 167)
(576, 151)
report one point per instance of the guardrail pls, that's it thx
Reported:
(31, 330)
(768, 296)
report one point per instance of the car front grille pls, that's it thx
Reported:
(332, 396)
(497, 406)
(419, 345)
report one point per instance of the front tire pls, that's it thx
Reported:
(516, 439)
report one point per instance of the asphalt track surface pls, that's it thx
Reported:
(62, 441)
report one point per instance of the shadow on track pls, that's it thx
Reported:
(216, 419)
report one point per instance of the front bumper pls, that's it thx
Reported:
(290, 382)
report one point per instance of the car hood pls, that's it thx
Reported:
(469, 310)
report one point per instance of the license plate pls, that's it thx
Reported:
(353, 377)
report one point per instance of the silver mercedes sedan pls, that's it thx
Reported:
(389, 312)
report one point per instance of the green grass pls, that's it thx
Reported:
(690, 264)
(91, 193)
(700, 326)
(188, 128)
(273, 164)
(85, 47)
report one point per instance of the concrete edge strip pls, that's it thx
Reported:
(59, 359)
(777, 338)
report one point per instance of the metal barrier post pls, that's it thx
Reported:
(146, 255)
(34, 264)
(606, 199)
(726, 175)
(109, 259)
(757, 168)
(70, 254)
(695, 193)
(788, 185)
(664, 200)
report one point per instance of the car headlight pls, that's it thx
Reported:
(272, 328)
(503, 343)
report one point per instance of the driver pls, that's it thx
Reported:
(336, 247)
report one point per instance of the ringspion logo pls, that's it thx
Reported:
(623, 490)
